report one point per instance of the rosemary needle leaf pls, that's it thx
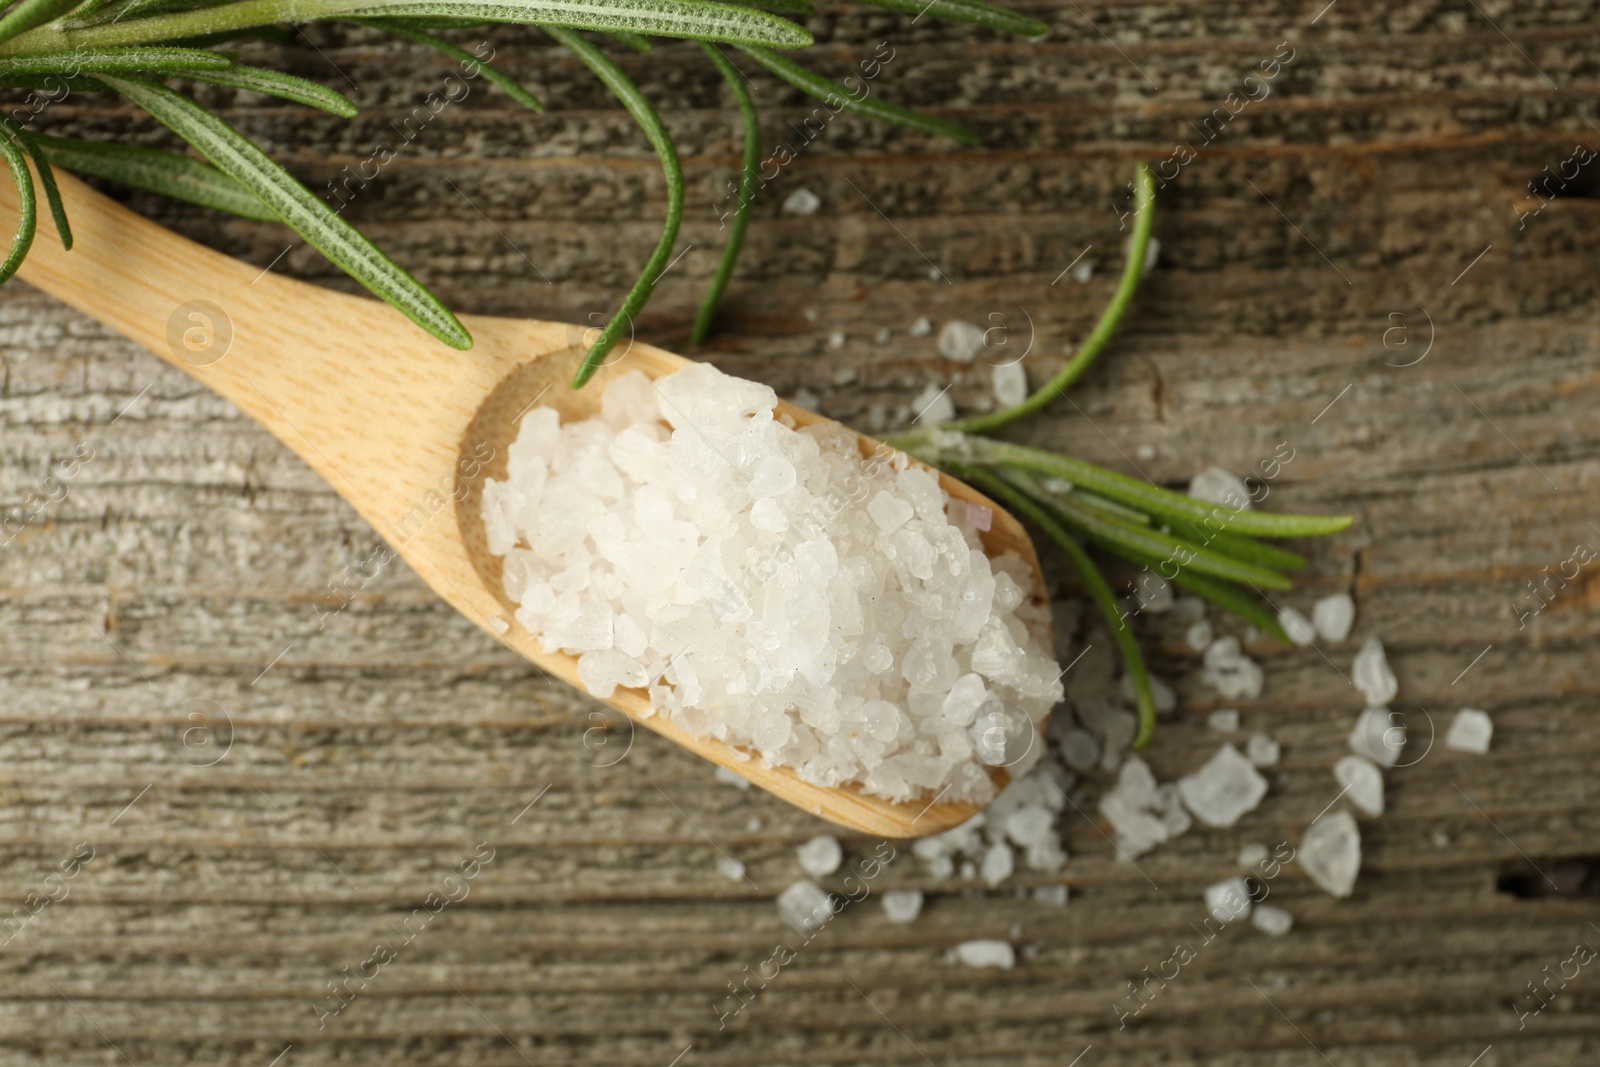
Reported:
(28, 216)
(1227, 597)
(308, 216)
(1099, 591)
(645, 115)
(505, 83)
(167, 173)
(832, 93)
(787, 7)
(273, 83)
(1245, 548)
(976, 13)
(700, 19)
(746, 192)
(116, 60)
(28, 14)
(52, 195)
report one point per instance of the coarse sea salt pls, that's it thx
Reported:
(769, 587)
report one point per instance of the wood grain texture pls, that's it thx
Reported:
(192, 551)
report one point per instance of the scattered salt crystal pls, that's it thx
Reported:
(1470, 732)
(1333, 616)
(985, 953)
(804, 398)
(902, 905)
(1080, 750)
(1253, 855)
(998, 863)
(1054, 895)
(730, 868)
(1224, 720)
(1030, 825)
(1379, 735)
(820, 856)
(1010, 383)
(1361, 781)
(805, 906)
(1271, 919)
(802, 202)
(1371, 674)
(1145, 452)
(883, 335)
(836, 339)
(1083, 271)
(1225, 788)
(1297, 626)
(1152, 253)
(1262, 750)
(1330, 852)
(922, 327)
(933, 405)
(727, 777)
(960, 341)
(1228, 900)
(1230, 672)
(753, 824)
(1217, 486)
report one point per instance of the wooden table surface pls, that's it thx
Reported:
(224, 877)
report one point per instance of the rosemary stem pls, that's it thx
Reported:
(748, 168)
(1132, 271)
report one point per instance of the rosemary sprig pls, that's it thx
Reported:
(1212, 550)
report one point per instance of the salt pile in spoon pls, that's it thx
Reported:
(771, 588)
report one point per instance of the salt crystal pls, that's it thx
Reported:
(1218, 486)
(1470, 732)
(820, 856)
(1079, 749)
(985, 953)
(1371, 674)
(960, 341)
(933, 405)
(998, 863)
(1379, 735)
(883, 335)
(1152, 254)
(805, 906)
(1228, 900)
(1360, 780)
(836, 339)
(921, 327)
(1271, 919)
(1333, 616)
(1230, 672)
(1224, 720)
(902, 905)
(802, 202)
(1083, 271)
(1010, 383)
(1253, 855)
(1262, 750)
(1330, 852)
(730, 868)
(705, 555)
(1030, 825)
(1145, 451)
(1299, 628)
(1225, 788)
(1054, 895)
(727, 777)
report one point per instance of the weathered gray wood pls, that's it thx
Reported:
(379, 750)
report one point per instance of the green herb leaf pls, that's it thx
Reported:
(832, 93)
(308, 216)
(29, 14)
(52, 194)
(287, 86)
(28, 216)
(746, 193)
(506, 84)
(115, 60)
(645, 115)
(152, 170)
(970, 11)
(700, 19)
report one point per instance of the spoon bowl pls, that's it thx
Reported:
(406, 428)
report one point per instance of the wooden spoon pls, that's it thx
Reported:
(400, 425)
